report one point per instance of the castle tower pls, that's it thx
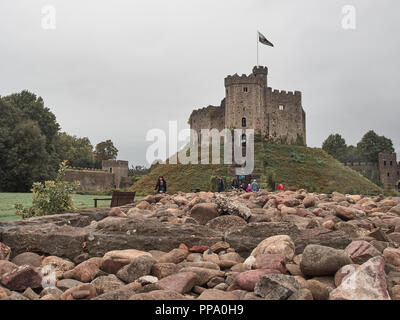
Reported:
(119, 168)
(245, 100)
(389, 170)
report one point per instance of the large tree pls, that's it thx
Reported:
(105, 151)
(32, 108)
(372, 144)
(336, 146)
(78, 151)
(23, 155)
(353, 154)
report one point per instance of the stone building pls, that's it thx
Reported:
(113, 175)
(250, 104)
(387, 170)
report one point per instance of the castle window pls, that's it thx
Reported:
(388, 174)
(243, 122)
(245, 89)
(391, 163)
(243, 140)
(384, 163)
(110, 170)
(281, 107)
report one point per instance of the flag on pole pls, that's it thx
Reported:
(263, 39)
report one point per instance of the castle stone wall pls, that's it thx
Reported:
(91, 180)
(208, 118)
(114, 174)
(250, 104)
(286, 116)
(119, 168)
(389, 169)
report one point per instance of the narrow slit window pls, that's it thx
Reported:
(243, 122)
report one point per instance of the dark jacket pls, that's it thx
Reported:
(160, 187)
(235, 184)
(220, 185)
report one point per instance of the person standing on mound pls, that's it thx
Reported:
(161, 185)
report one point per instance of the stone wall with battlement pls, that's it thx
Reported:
(250, 104)
(98, 180)
(286, 117)
(113, 175)
(387, 169)
(211, 117)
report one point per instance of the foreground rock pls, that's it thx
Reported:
(22, 278)
(366, 283)
(276, 287)
(322, 261)
(288, 245)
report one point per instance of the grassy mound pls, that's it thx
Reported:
(297, 166)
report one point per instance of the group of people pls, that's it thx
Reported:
(237, 184)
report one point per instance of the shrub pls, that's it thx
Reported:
(271, 181)
(298, 157)
(52, 197)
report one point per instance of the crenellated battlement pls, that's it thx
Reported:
(365, 165)
(284, 96)
(205, 110)
(243, 79)
(260, 70)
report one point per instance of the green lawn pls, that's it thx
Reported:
(7, 201)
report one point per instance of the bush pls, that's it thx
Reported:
(52, 197)
(271, 181)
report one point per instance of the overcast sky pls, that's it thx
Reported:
(115, 69)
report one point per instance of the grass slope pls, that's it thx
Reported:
(303, 167)
(313, 169)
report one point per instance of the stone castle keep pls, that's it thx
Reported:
(250, 104)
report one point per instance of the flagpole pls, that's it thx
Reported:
(257, 48)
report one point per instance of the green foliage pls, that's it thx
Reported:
(367, 150)
(336, 146)
(371, 145)
(353, 155)
(271, 181)
(52, 197)
(23, 155)
(298, 157)
(32, 108)
(77, 151)
(105, 151)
